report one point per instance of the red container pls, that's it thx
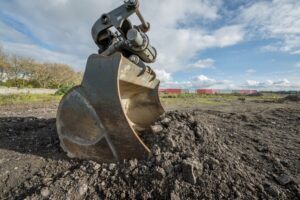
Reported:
(171, 91)
(206, 91)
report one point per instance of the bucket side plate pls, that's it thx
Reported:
(100, 119)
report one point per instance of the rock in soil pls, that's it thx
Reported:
(156, 128)
(45, 192)
(188, 173)
(283, 179)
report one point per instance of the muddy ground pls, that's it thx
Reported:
(241, 150)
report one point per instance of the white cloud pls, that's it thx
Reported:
(229, 35)
(252, 83)
(277, 19)
(297, 65)
(163, 76)
(44, 55)
(66, 26)
(283, 84)
(178, 46)
(203, 78)
(250, 71)
(62, 24)
(203, 81)
(202, 64)
(8, 33)
(200, 81)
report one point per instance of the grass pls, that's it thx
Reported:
(182, 99)
(190, 99)
(212, 99)
(10, 99)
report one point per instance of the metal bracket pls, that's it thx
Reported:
(117, 18)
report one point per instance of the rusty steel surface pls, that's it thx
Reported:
(101, 118)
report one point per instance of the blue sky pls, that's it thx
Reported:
(228, 44)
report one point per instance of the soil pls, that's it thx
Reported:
(242, 150)
(295, 98)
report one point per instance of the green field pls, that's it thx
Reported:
(183, 99)
(12, 99)
(214, 99)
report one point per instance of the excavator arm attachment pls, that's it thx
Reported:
(101, 118)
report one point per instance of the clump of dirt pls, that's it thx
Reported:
(190, 159)
(293, 98)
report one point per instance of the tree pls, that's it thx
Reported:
(54, 75)
(21, 71)
(3, 64)
(41, 74)
(66, 76)
(19, 68)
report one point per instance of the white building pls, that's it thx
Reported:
(3, 76)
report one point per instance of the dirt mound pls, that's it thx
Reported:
(294, 98)
(190, 160)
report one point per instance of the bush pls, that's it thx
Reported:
(295, 98)
(258, 94)
(168, 96)
(187, 95)
(242, 99)
(63, 90)
(21, 83)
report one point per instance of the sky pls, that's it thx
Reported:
(221, 44)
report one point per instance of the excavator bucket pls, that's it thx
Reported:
(101, 119)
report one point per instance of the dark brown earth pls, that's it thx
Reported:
(239, 150)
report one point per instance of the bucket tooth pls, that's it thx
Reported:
(101, 118)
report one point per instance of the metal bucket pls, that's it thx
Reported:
(101, 119)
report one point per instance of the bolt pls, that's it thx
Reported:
(105, 19)
(135, 59)
(131, 3)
